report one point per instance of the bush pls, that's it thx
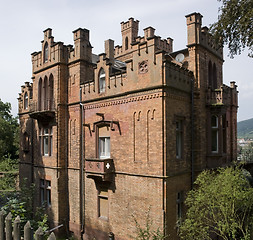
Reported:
(20, 203)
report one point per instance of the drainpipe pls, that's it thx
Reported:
(164, 165)
(192, 132)
(32, 152)
(82, 166)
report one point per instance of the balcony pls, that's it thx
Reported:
(99, 168)
(44, 110)
(218, 97)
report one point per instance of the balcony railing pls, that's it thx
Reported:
(43, 109)
(102, 168)
(217, 97)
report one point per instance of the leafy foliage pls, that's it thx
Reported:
(220, 204)
(146, 232)
(20, 203)
(235, 25)
(245, 154)
(9, 142)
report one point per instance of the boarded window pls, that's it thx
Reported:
(103, 206)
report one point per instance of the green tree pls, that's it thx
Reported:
(221, 204)
(20, 203)
(235, 26)
(8, 133)
(246, 153)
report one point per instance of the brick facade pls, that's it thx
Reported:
(119, 133)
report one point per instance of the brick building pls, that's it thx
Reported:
(107, 137)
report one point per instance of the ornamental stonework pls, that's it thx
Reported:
(143, 67)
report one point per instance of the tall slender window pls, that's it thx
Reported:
(26, 142)
(46, 141)
(214, 134)
(179, 139)
(210, 74)
(103, 204)
(214, 77)
(45, 192)
(126, 43)
(51, 93)
(179, 207)
(102, 81)
(40, 93)
(26, 101)
(224, 133)
(104, 146)
(45, 52)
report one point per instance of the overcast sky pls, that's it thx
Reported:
(22, 23)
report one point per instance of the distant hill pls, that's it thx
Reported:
(245, 129)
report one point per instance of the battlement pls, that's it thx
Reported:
(178, 77)
(208, 42)
(131, 23)
(149, 38)
(200, 35)
(56, 52)
(25, 97)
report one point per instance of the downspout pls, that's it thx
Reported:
(81, 166)
(32, 152)
(192, 133)
(163, 150)
(67, 161)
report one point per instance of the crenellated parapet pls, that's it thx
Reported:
(25, 97)
(54, 53)
(130, 31)
(178, 77)
(198, 35)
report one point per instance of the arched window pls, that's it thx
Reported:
(210, 74)
(214, 77)
(45, 94)
(51, 92)
(45, 52)
(26, 101)
(40, 94)
(126, 43)
(26, 142)
(101, 80)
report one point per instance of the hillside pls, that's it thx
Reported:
(245, 129)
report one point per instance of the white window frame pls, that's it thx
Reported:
(215, 130)
(45, 192)
(104, 147)
(46, 141)
(26, 101)
(101, 80)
